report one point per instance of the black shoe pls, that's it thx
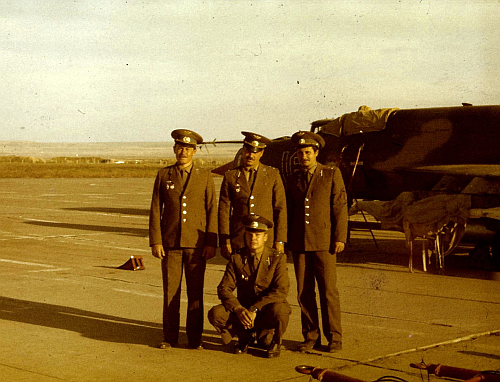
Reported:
(166, 345)
(334, 346)
(195, 345)
(309, 345)
(273, 351)
(240, 348)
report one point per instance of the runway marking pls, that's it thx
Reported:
(42, 221)
(138, 293)
(26, 263)
(420, 348)
(52, 270)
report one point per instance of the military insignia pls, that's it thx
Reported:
(255, 225)
(169, 185)
(255, 143)
(186, 139)
(302, 141)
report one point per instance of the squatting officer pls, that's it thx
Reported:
(260, 276)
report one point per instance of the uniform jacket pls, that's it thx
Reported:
(266, 199)
(317, 217)
(183, 219)
(268, 285)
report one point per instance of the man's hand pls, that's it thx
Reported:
(158, 251)
(208, 252)
(246, 317)
(279, 246)
(225, 251)
(339, 247)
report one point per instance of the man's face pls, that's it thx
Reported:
(184, 154)
(255, 241)
(307, 156)
(251, 159)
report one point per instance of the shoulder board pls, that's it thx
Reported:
(273, 168)
(276, 253)
(228, 173)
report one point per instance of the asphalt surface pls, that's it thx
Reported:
(68, 314)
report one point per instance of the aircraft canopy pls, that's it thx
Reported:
(362, 121)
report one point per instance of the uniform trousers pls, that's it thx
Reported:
(322, 267)
(270, 324)
(172, 265)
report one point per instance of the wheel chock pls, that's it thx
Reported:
(133, 264)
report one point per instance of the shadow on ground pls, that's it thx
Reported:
(91, 227)
(103, 327)
(112, 210)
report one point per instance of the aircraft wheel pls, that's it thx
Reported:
(480, 257)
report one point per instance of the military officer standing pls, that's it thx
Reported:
(260, 276)
(183, 234)
(252, 188)
(317, 232)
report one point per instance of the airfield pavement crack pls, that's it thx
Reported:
(32, 372)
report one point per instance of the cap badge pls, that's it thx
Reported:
(255, 225)
(255, 143)
(302, 141)
(186, 139)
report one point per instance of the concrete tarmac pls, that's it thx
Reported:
(68, 314)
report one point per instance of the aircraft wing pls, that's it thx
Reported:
(479, 170)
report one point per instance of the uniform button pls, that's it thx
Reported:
(252, 205)
(307, 199)
(184, 204)
(184, 212)
(307, 214)
(252, 197)
(184, 220)
(307, 206)
(307, 222)
(184, 197)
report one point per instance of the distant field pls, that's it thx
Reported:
(110, 150)
(99, 160)
(101, 170)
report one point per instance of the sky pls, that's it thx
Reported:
(132, 71)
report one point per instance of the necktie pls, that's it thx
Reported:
(183, 174)
(251, 177)
(255, 263)
(305, 179)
